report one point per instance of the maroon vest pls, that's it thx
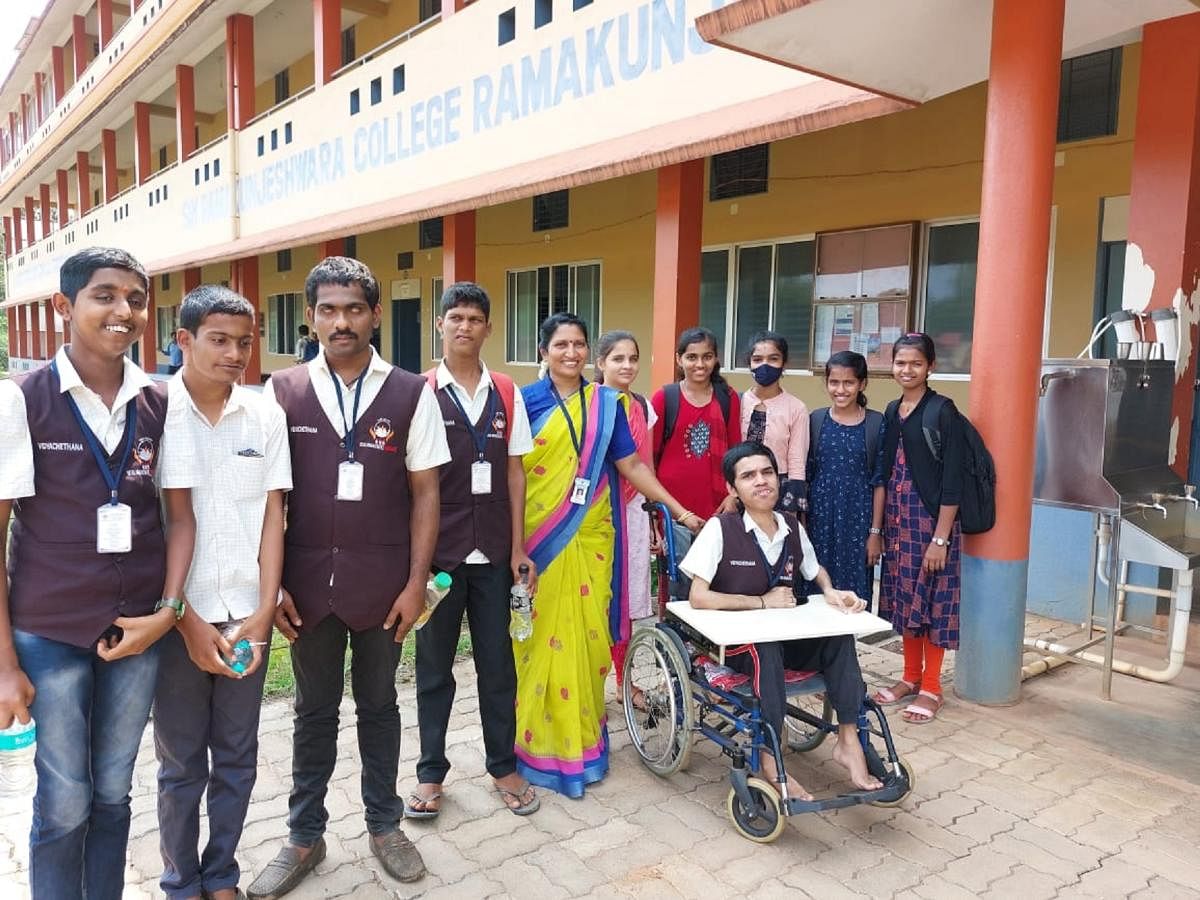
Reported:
(60, 587)
(742, 569)
(473, 521)
(345, 558)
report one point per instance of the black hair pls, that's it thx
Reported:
(773, 337)
(303, 329)
(744, 450)
(466, 293)
(211, 300)
(605, 344)
(342, 271)
(698, 335)
(78, 269)
(919, 341)
(855, 362)
(555, 322)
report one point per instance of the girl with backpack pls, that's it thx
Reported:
(617, 365)
(699, 418)
(778, 420)
(845, 491)
(922, 472)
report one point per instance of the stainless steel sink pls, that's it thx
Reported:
(1172, 542)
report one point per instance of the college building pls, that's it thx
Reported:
(820, 167)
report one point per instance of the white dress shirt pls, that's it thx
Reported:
(108, 425)
(520, 438)
(426, 447)
(16, 457)
(231, 467)
(709, 546)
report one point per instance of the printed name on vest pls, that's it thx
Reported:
(303, 429)
(743, 562)
(60, 445)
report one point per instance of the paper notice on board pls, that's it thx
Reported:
(869, 320)
(823, 334)
(889, 334)
(858, 343)
(843, 321)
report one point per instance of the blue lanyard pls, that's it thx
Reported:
(112, 478)
(774, 572)
(575, 441)
(348, 430)
(479, 438)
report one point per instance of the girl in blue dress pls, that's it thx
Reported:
(845, 506)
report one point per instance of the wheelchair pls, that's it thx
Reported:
(679, 700)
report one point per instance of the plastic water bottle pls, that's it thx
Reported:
(18, 743)
(243, 654)
(435, 589)
(520, 604)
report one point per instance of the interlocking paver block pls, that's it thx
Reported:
(978, 869)
(1115, 878)
(1025, 883)
(982, 824)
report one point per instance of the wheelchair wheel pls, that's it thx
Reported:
(657, 675)
(912, 782)
(801, 736)
(764, 822)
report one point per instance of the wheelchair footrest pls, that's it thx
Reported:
(891, 791)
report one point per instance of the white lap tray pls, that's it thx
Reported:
(816, 618)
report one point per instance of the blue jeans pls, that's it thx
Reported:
(90, 718)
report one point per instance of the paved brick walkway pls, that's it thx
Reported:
(997, 812)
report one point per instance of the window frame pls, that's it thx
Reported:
(436, 287)
(298, 302)
(594, 328)
(922, 282)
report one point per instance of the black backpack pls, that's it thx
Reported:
(873, 423)
(977, 508)
(671, 394)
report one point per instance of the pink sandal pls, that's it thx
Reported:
(922, 715)
(893, 695)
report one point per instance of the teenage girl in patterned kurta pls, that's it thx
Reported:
(920, 585)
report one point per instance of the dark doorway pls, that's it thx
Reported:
(406, 334)
(1110, 283)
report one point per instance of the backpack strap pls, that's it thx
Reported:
(930, 424)
(816, 419)
(641, 401)
(670, 417)
(504, 387)
(874, 424)
(723, 392)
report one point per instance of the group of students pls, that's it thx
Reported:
(160, 532)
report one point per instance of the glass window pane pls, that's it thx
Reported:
(560, 277)
(543, 294)
(587, 297)
(714, 291)
(793, 299)
(752, 303)
(950, 293)
(528, 317)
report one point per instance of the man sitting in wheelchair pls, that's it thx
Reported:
(752, 560)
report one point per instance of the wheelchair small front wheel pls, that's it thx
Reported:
(912, 782)
(657, 694)
(763, 821)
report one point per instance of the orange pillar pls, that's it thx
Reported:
(108, 162)
(79, 44)
(39, 105)
(17, 236)
(64, 197)
(244, 278)
(22, 332)
(149, 342)
(1010, 291)
(30, 228)
(83, 181)
(12, 332)
(333, 247)
(8, 243)
(58, 73)
(44, 204)
(458, 247)
(191, 279)
(48, 305)
(104, 15)
(185, 111)
(1164, 200)
(327, 39)
(141, 142)
(26, 130)
(678, 217)
(239, 70)
(450, 7)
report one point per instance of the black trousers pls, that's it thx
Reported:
(318, 662)
(834, 657)
(481, 592)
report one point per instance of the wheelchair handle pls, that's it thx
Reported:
(655, 506)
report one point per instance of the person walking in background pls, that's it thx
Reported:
(174, 356)
(775, 418)
(366, 441)
(233, 443)
(576, 537)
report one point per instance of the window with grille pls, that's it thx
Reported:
(535, 294)
(551, 210)
(350, 245)
(283, 260)
(739, 173)
(429, 233)
(348, 53)
(286, 315)
(282, 89)
(1088, 96)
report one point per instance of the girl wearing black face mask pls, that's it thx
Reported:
(776, 418)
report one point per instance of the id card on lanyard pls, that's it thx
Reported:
(775, 572)
(481, 469)
(579, 491)
(350, 471)
(114, 520)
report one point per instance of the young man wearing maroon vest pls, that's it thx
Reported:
(366, 441)
(481, 546)
(751, 560)
(93, 581)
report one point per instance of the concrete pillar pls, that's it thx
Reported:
(26, 130)
(244, 279)
(104, 15)
(44, 208)
(39, 104)
(8, 241)
(239, 70)
(18, 235)
(458, 247)
(149, 341)
(332, 247)
(79, 45)
(12, 330)
(1162, 263)
(1010, 292)
(191, 279)
(58, 73)
(450, 7)
(141, 142)
(23, 331)
(678, 218)
(185, 111)
(61, 185)
(83, 181)
(48, 306)
(30, 226)
(327, 39)
(108, 163)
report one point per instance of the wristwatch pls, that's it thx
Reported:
(878, 531)
(941, 542)
(173, 603)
